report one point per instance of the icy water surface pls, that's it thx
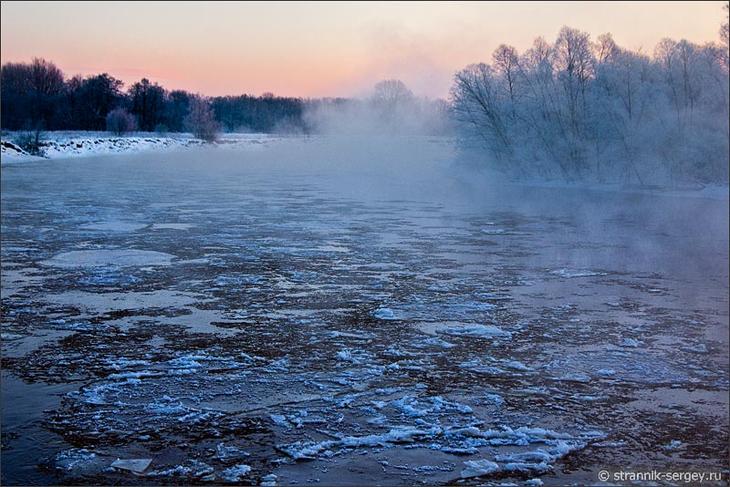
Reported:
(313, 314)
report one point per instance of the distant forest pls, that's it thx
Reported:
(576, 109)
(37, 96)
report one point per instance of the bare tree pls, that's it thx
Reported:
(506, 63)
(605, 48)
(392, 92)
(476, 104)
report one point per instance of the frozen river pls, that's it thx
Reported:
(350, 312)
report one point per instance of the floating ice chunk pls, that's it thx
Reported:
(522, 467)
(534, 483)
(406, 405)
(630, 342)
(398, 352)
(280, 420)
(434, 405)
(606, 372)
(96, 395)
(188, 361)
(171, 226)
(135, 375)
(123, 363)
(609, 444)
(280, 365)
(362, 335)
(433, 468)
(196, 417)
(699, 348)
(306, 450)
(10, 336)
(74, 458)
(481, 331)
(136, 465)
(673, 445)
(268, 480)
(476, 365)
(530, 456)
(114, 226)
(345, 355)
(403, 434)
(455, 450)
(514, 364)
(538, 461)
(193, 468)
(107, 257)
(436, 342)
(570, 273)
(477, 468)
(223, 452)
(575, 377)
(235, 473)
(384, 314)
(251, 358)
(494, 398)
(166, 406)
(353, 356)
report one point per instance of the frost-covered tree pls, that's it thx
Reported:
(583, 110)
(119, 122)
(201, 120)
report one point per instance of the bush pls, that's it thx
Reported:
(119, 122)
(31, 143)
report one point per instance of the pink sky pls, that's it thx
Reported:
(318, 49)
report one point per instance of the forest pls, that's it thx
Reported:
(37, 96)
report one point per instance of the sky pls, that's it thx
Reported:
(318, 49)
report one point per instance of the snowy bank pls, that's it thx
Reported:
(62, 145)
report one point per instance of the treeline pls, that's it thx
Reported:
(583, 110)
(37, 96)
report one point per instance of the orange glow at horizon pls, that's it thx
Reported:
(318, 49)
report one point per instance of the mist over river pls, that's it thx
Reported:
(354, 309)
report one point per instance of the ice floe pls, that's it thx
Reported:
(236, 473)
(571, 273)
(136, 465)
(109, 257)
(478, 331)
